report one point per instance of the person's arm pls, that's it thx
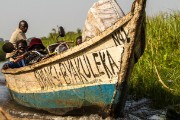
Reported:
(20, 57)
(13, 41)
(21, 36)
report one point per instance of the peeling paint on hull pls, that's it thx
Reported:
(99, 96)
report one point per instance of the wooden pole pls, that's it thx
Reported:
(4, 115)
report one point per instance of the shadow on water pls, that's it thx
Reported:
(134, 110)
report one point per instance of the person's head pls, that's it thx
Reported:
(23, 25)
(36, 44)
(21, 45)
(8, 47)
(78, 40)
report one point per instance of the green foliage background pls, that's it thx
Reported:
(69, 37)
(163, 52)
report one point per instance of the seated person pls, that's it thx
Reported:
(78, 40)
(21, 46)
(36, 51)
(61, 48)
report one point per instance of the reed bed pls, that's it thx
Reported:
(157, 73)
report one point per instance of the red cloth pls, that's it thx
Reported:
(35, 41)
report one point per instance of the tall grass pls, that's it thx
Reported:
(162, 52)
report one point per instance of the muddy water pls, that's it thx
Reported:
(134, 110)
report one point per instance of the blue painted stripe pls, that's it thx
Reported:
(93, 95)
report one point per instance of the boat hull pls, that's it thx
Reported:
(97, 97)
(86, 82)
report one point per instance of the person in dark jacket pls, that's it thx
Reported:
(37, 51)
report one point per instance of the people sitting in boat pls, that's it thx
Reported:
(78, 40)
(37, 51)
(17, 61)
(18, 34)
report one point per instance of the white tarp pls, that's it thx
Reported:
(101, 15)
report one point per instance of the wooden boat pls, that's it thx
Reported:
(89, 78)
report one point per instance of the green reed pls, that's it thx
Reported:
(161, 57)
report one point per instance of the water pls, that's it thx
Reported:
(134, 110)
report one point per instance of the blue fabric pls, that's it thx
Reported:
(101, 94)
(12, 64)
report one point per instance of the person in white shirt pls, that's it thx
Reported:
(18, 34)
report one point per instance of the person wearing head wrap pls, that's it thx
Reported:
(37, 51)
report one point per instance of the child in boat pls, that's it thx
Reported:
(16, 62)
